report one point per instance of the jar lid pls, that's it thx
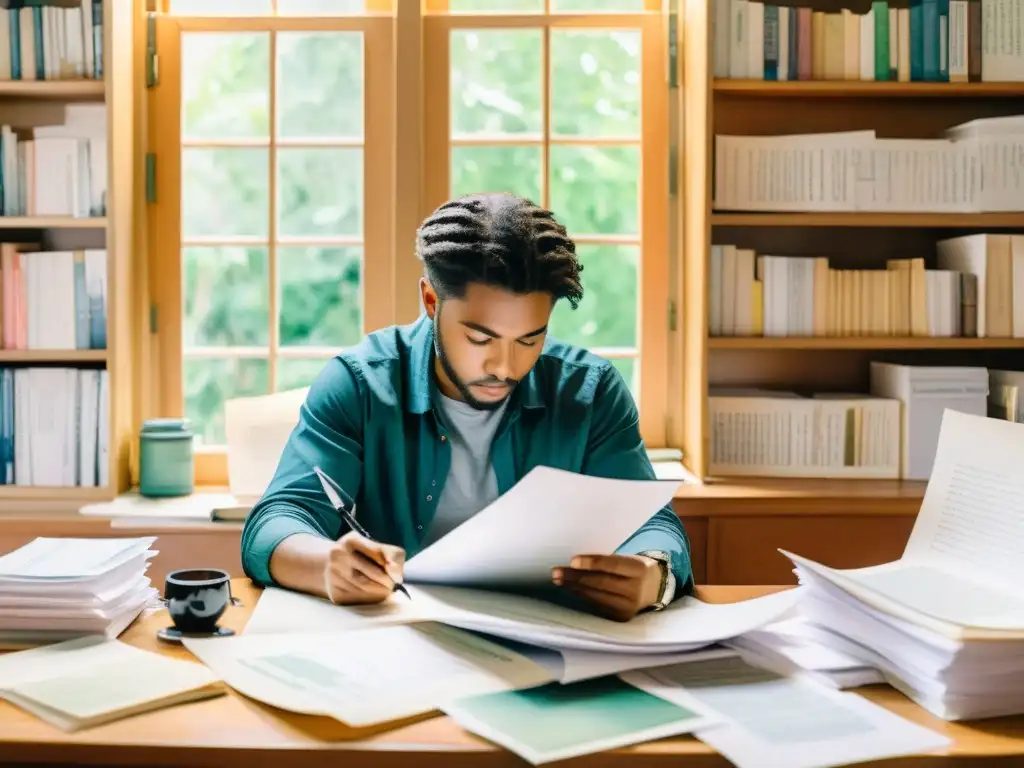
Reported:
(166, 428)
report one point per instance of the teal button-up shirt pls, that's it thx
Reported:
(368, 421)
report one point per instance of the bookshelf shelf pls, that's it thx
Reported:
(786, 489)
(868, 90)
(52, 222)
(52, 356)
(859, 342)
(58, 90)
(47, 493)
(877, 220)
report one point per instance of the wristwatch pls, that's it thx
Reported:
(668, 579)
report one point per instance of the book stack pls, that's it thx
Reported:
(945, 623)
(41, 41)
(963, 172)
(924, 41)
(52, 590)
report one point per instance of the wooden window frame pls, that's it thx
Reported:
(406, 145)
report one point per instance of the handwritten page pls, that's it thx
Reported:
(556, 722)
(366, 677)
(543, 521)
(771, 720)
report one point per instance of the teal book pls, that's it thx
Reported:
(916, 40)
(943, 12)
(556, 722)
(930, 35)
(880, 8)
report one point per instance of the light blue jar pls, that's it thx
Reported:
(166, 465)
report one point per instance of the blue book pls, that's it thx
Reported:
(916, 40)
(83, 332)
(930, 42)
(943, 9)
(14, 22)
(771, 42)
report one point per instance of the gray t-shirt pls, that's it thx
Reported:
(471, 484)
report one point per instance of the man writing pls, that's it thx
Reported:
(425, 425)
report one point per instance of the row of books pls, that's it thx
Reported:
(54, 427)
(977, 291)
(889, 433)
(39, 41)
(929, 41)
(52, 299)
(58, 170)
(975, 168)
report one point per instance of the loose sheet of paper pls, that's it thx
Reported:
(68, 559)
(368, 677)
(257, 430)
(197, 507)
(771, 720)
(556, 722)
(541, 522)
(92, 678)
(684, 626)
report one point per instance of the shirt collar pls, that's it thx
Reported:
(421, 374)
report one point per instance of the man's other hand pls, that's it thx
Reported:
(617, 586)
(361, 571)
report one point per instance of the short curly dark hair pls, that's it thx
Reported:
(502, 240)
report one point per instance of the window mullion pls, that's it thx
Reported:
(272, 198)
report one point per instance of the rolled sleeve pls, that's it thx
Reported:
(328, 435)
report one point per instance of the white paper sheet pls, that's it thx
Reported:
(365, 678)
(543, 521)
(968, 537)
(684, 626)
(772, 721)
(257, 430)
(68, 559)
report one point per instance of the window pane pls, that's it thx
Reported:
(320, 84)
(319, 7)
(321, 296)
(496, 6)
(595, 83)
(496, 81)
(320, 192)
(224, 192)
(619, 6)
(209, 382)
(607, 315)
(497, 169)
(227, 297)
(594, 190)
(297, 372)
(220, 7)
(631, 373)
(225, 85)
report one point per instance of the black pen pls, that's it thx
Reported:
(331, 489)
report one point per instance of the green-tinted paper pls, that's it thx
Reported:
(555, 721)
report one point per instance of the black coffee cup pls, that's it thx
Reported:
(196, 598)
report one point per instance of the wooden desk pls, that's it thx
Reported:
(235, 731)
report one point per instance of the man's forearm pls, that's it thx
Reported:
(299, 561)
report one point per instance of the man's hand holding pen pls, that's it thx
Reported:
(361, 571)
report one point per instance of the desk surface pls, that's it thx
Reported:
(233, 730)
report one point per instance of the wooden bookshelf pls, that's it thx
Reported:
(737, 524)
(844, 89)
(25, 104)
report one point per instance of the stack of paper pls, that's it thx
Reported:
(58, 589)
(92, 680)
(945, 623)
(796, 645)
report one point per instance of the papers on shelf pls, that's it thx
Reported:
(556, 722)
(772, 720)
(366, 678)
(133, 509)
(91, 680)
(543, 521)
(945, 623)
(795, 644)
(58, 589)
